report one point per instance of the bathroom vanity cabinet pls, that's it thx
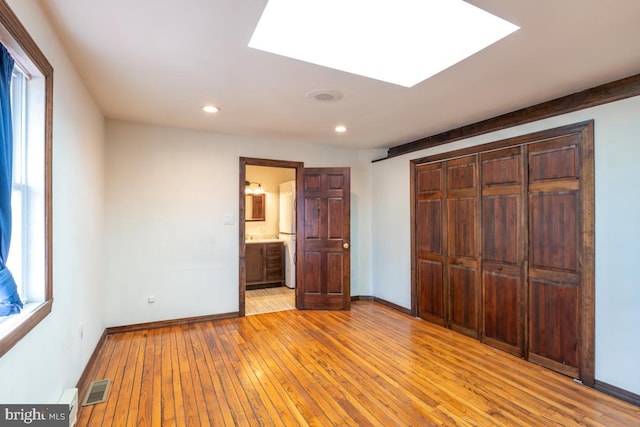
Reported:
(264, 264)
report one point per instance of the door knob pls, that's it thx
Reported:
(345, 245)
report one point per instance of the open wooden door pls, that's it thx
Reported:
(323, 257)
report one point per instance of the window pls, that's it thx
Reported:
(26, 201)
(17, 258)
(30, 251)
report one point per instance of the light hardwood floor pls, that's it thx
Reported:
(269, 300)
(368, 366)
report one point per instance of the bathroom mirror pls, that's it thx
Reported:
(255, 207)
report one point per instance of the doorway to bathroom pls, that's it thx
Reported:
(322, 248)
(268, 235)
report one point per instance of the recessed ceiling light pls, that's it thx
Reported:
(325, 95)
(398, 41)
(341, 129)
(211, 109)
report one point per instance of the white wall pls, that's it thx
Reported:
(168, 191)
(617, 150)
(52, 356)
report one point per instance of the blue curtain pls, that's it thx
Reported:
(9, 300)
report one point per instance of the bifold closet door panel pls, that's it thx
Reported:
(430, 242)
(554, 253)
(503, 247)
(462, 224)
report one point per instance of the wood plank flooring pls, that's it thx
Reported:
(371, 366)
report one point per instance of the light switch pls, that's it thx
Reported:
(228, 219)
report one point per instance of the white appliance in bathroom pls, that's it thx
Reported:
(287, 230)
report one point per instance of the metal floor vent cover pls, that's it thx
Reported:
(97, 392)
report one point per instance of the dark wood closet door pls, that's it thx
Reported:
(554, 253)
(504, 236)
(429, 199)
(462, 272)
(503, 243)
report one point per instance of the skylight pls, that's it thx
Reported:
(398, 41)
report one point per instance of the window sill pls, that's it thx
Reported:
(13, 328)
(8, 323)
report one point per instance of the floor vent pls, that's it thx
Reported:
(97, 392)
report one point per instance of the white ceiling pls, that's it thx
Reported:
(159, 61)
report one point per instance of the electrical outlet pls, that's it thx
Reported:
(151, 299)
(228, 219)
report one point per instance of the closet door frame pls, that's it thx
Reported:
(585, 133)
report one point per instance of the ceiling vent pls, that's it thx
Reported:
(97, 392)
(323, 95)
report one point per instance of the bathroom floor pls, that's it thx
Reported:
(270, 299)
